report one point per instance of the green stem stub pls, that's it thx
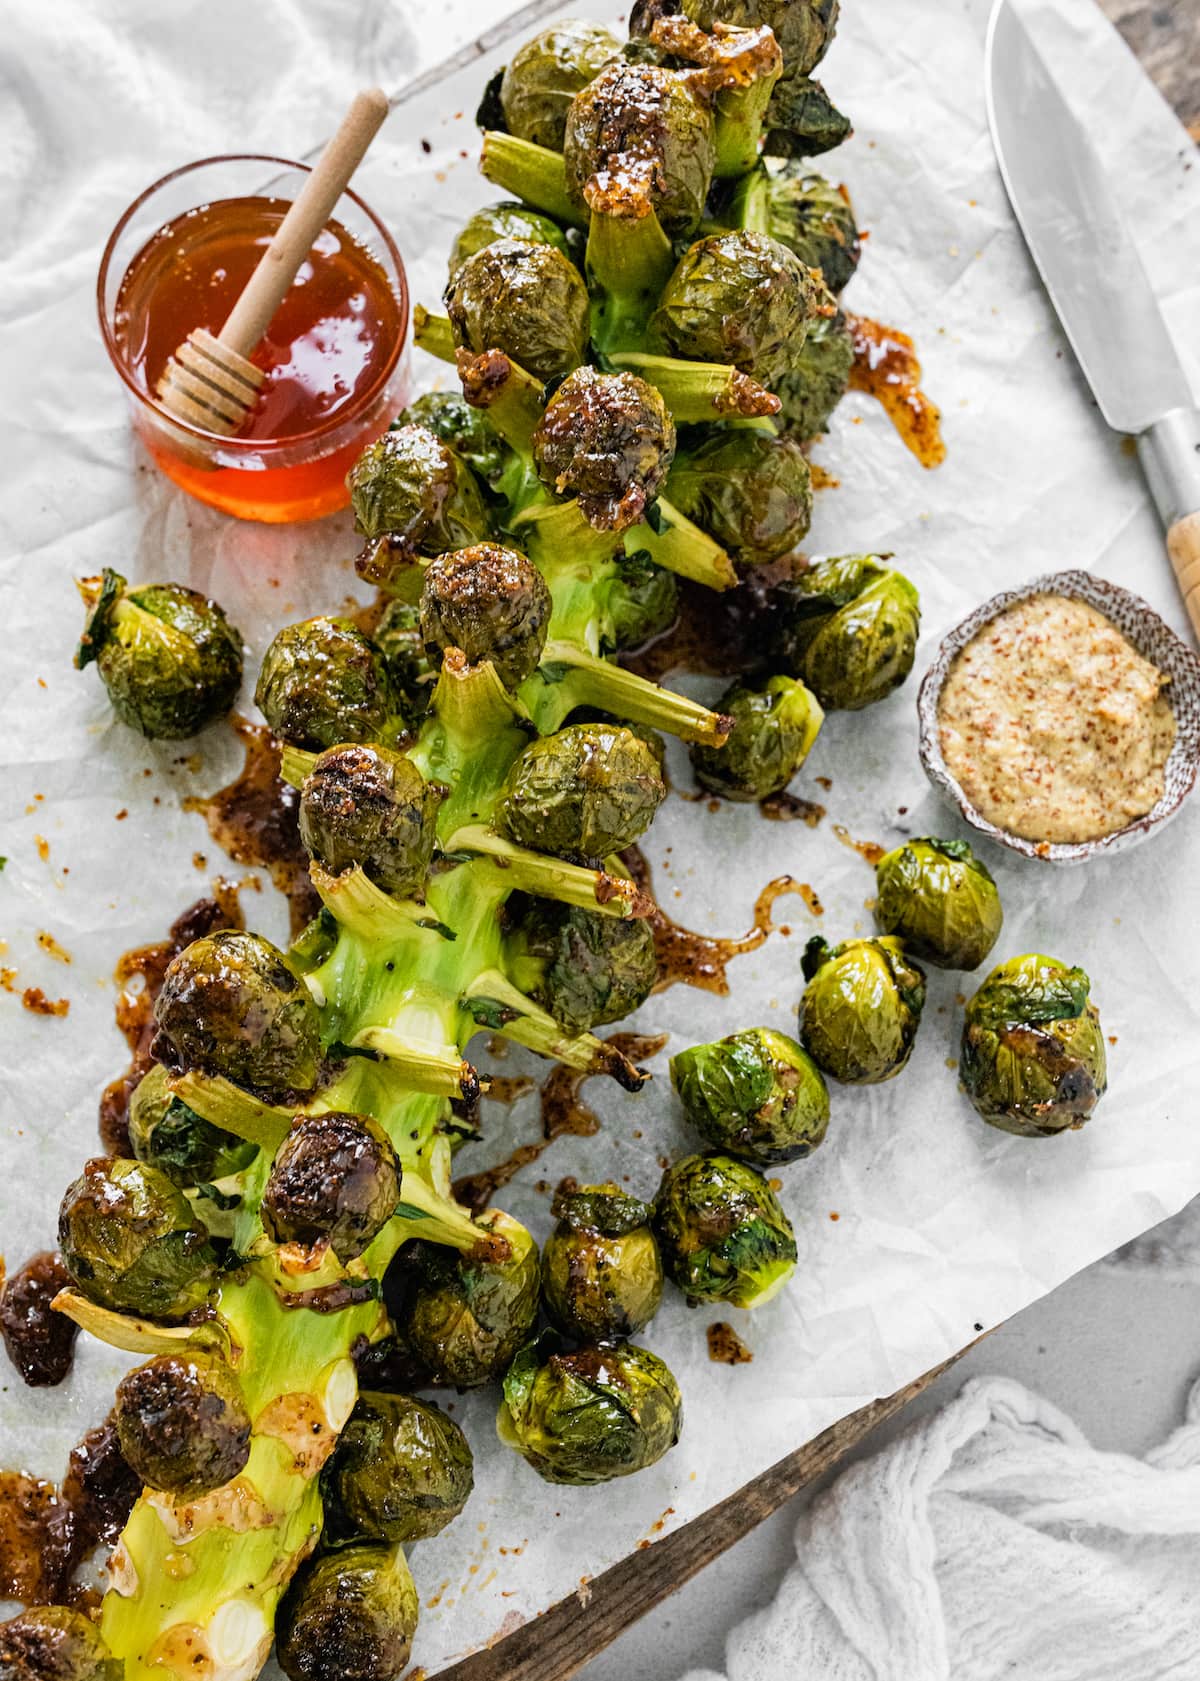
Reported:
(100, 597)
(531, 173)
(700, 391)
(629, 261)
(434, 334)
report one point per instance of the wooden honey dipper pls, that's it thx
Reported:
(210, 382)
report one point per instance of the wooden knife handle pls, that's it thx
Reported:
(1183, 546)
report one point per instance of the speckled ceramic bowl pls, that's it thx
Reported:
(1152, 638)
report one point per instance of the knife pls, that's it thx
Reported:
(1096, 281)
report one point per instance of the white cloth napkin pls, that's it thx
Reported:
(992, 1542)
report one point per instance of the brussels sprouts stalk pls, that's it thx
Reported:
(532, 173)
(569, 678)
(522, 870)
(434, 334)
(134, 1336)
(629, 261)
(699, 391)
(557, 535)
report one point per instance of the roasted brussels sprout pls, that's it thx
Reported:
(230, 1004)
(586, 792)
(468, 1317)
(1033, 1059)
(350, 1615)
(805, 212)
(774, 728)
(861, 1009)
(470, 434)
(526, 300)
(131, 1243)
(940, 899)
(591, 1415)
(323, 682)
(585, 969)
(848, 628)
(819, 379)
(802, 120)
(722, 1230)
(642, 603)
(371, 807)
(608, 440)
(756, 1095)
(544, 75)
(742, 299)
(511, 220)
(411, 487)
(749, 489)
(602, 1275)
(335, 1179)
(410, 670)
(491, 603)
(401, 1472)
(53, 1643)
(169, 658)
(803, 28)
(166, 1134)
(182, 1423)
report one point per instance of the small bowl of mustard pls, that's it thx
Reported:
(1062, 719)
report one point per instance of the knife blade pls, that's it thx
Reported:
(1096, 280)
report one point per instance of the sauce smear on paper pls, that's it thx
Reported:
(886, 368)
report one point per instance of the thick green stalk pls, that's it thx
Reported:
(629, 261)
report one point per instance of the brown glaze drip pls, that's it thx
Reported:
(508, 1088)
(719, 635)
(726, 1347)
(886, 368)
(788, 808)
(40, 1342)
(870, 850)
(255, 819)
(38, 1004)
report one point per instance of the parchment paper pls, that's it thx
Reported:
(943, 1226)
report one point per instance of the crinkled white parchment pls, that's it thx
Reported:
(944, 1226)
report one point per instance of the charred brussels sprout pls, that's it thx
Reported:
(819, 378)
(774, 728)
(805, 212)
(166, 1134)
(940, 899)
(589, 1416)
(742, 299)
(501, 221)
(335, 1179)
(348, 1616)
(723, 1232)
(230, 1004)
(401, 1472)
(469, 433)
(323, 682)
(544, 75)
(53, 1643)
(169, 658)
(468, 1317)
(585, 969)
(526, 300)
(757, 1095)
(491, 603)
(602, 1275)
(803, 28)
(849, 630)
(410, 486)
(182, 1424)
(608, 440)
(131, 1243)
(861, 1009)
(1033, 1059)
(749, 489)
(586, 792)
(370, 807)
(643, 602)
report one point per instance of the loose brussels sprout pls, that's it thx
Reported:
(642, 604)
(469, 433)
(602, 1275)
(819, 379)
(586, 792)
(638, 136)
(743, 299)
(802, 120)
(335, 1179)
(166, 1134)
(756, 1095)
(544, 75)
(323, 682)
(491, 603)
(749, 489)
(1033, 1059)
(589, 1416)
(371, 807)
(182, 1424)
(169, 658)
(411, 486)
(861, 1009)
(402, 1471)
(131, 1243)
(511, 220)
(774, 728)
(350, 1615)
(608, 440)
(468, 1317)
(52, 1643)
(803, 28)
(230, 1004)
(526, 300)
(409, 668)
(584, 968)
(848, 628)
(940, 899)
(723, 1232)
